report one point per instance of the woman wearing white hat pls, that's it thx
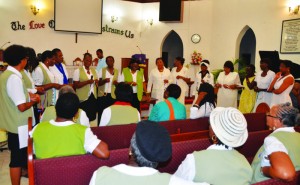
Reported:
(228, 130)
(279, 157)
(203, 76)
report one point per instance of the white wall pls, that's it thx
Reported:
(45, 39)
(263, 16)
(219, 23)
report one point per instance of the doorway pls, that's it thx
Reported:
(247, 46)
(172, 47)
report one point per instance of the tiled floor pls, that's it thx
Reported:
(4, 169)
(5, 156)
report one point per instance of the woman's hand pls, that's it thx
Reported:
(218, 85)
(278, 75)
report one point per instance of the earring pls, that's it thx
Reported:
(214, 138)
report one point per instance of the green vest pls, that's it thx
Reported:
(26, 80)
(49, 93)
(83, 92)
(11, 117)
(101, 88)
(107, 176)
(139, 80)
(291, 142)
(122, 114)
(57, 141)
(222, 167)
(50, 113)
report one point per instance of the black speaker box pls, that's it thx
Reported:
(170, 10)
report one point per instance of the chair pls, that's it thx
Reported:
(77, 62)
(262, 108)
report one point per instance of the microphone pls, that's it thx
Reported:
(139, 49)
(5, 44)
(92, 77)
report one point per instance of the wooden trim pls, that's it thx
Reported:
(30, 154)
(189, 136)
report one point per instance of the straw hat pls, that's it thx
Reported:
(229, 125)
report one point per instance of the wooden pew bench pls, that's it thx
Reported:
(119, 136)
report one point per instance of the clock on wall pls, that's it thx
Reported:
(196, 38)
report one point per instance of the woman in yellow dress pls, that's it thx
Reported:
(248, 96)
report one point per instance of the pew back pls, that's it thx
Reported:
(73, 169)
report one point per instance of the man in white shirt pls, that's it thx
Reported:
(101, 60)
(59, 69)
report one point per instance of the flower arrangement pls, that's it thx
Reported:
(196, 58)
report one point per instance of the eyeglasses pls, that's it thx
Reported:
(269, 115)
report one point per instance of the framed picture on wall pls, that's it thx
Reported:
(290, 36)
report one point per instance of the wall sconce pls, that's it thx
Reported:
(150, 21)
(114, 19)
(294, 10)
(34, 8)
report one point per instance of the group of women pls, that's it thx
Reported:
(264, 88)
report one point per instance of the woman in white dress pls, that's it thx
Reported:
(228, 83)
(263, 81)
(180, 77)
(159, 78)
(282, 84)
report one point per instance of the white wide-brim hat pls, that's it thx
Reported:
(229, 125)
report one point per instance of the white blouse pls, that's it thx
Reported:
(264, 82)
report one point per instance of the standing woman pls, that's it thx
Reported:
(203, 76)
(44, 78)
(263, 81)
(282, 84)
(227, 84)
(134, 76)
(15, 107)
(248, 96)
(85, 83)
(108, 79)
(159, 78)
(180, 77)
(32, 63)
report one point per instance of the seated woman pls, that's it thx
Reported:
(220, 164)
(121, 112)
(205, 102)
(149, 146)
(50, 113)
(171, 108)
(62, 137)
(279, 157)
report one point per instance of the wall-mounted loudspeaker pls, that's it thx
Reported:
(170, 10)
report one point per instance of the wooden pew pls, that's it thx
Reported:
(118, 136)
(79, 169)
(189, 136)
